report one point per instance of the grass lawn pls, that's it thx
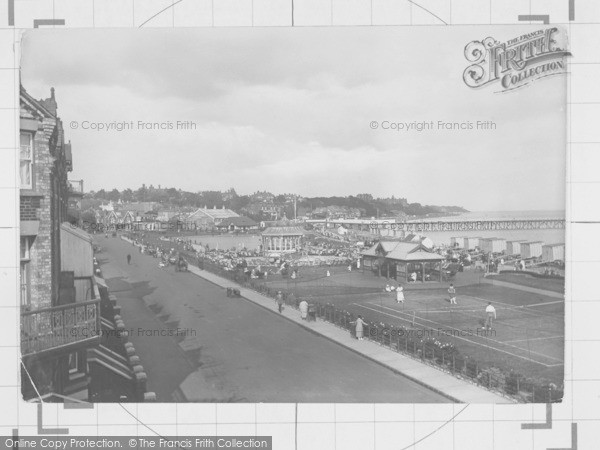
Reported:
(548, 284)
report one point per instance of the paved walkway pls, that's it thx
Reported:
(437, 380)
(163, 360)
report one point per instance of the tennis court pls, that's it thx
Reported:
(527, 335)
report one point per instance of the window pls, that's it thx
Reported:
(73, 362)
(25, 292)
(26, 158)
(24, 273)
(26, 242)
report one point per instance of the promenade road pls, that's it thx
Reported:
(245, 353)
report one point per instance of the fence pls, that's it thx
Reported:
(435, 352)
(59, 326)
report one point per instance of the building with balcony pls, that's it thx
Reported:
(55, 327)
(75, 191)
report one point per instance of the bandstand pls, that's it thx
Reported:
(281, 240)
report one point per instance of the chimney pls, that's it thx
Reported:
(50, 103)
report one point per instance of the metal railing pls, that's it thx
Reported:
(59, 326)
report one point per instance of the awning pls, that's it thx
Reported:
(100, 281)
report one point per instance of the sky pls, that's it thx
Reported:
(290, 110)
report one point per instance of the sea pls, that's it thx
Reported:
(252, 242)
(546, 236)
(227, 241)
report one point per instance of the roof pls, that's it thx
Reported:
(403, 251)
(371, 251)
(78, 232)
(532, 242)
(423, 256)
(554, 245)
(283, 231)
(388, 246)
(214, 213)
(34, 104)
(240, 221)
(140, 207)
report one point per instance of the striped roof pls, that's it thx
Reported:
(403, 251)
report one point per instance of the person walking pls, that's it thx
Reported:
(400, 295)
(360, 324)
(128, 259)
(303, 309)
(490, 313)
(452, 293)
(279, 301)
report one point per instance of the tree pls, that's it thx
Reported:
(127, 195)
(141, 194)
(114, 195)
(88, 218)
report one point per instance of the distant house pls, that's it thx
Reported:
(209, 218)
(107, 207)
(164, 215)
(127, 217)
(109, 219)
(139, 207)
(237, 224)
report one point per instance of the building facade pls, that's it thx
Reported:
(208, 218)
(50, 317)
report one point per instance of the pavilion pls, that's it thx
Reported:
(399, 260)
(279, 240)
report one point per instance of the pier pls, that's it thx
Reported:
(444, 225)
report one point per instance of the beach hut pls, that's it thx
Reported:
(514, 247)
(471, 242)
(553, 252)
(492, 245)
(531, 249)
(457, 242)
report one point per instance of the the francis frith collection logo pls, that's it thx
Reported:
(517, 62)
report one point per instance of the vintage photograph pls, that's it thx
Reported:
(343, 215)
